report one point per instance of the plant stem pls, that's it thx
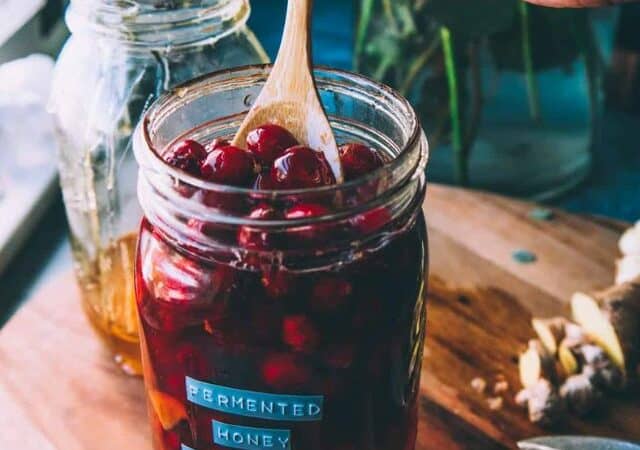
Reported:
(476, 97)
(527, 55)
(366, 12)
(418, 64)
(461, 172)
(388, 11)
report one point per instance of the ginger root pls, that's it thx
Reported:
(627, 269)
(567, 359)
(536, 363)
(572, 365)
(545, 406)
(612, 320)
(580, 394)
(550, 332)
(630, 241)
(538, 377)
(600, 369)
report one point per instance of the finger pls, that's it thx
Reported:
(578, 3)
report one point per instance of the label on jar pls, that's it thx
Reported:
(249, 438)
(291, 408)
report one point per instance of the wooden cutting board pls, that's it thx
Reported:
(59, 390)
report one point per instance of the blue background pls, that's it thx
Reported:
(613, 189)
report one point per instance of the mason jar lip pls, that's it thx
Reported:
(152, 26)
(160, 166)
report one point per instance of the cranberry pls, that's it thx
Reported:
(358, 160)
(371, 221)
(329, 294)
(216, 144)
(229, 165)
(301, 167)
(285, 371)
(186, 155)
(306, 210)
(175, 278)
(252, 238)
(300, 333)
(269, 142)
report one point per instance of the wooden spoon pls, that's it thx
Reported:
(290, 97)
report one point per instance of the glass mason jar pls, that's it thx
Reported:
(508, 92)
(311, 339)
(120, 57)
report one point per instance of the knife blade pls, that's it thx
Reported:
(575, 443)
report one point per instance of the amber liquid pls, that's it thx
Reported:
(108, 297)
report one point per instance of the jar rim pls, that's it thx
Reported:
(188, 89)
(147, 25)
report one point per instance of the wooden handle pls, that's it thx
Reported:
(296, 41)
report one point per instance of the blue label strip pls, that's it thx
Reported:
(293, 408)
(249, 438)
(186, 447)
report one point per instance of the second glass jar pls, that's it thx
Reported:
(120, 57)
(296, 334)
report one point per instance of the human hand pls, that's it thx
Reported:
(578, 3)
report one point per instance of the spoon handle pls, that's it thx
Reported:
(295, 48)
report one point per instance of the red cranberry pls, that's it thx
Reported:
(358, 160)
(252, 238)
(371, 221)
(216, 144)
(269, 142)
(306, 210)
(186, 155)
(229, 165)
(300, 333)
(285, 371)
(329, 294)
(301, 167)
(175, 278)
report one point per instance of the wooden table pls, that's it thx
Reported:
(59, 389)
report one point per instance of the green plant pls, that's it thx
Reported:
(430, 50)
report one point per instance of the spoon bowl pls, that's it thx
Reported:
(290, 97)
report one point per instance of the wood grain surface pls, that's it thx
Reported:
(60, 391)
